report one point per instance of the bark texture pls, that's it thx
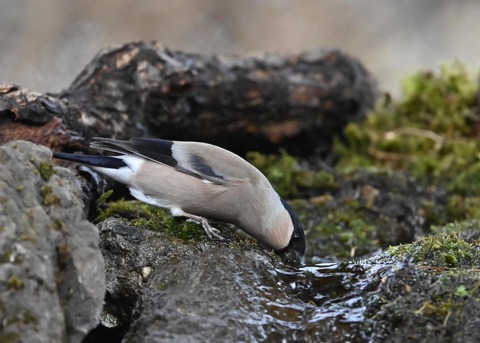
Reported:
(259, 102)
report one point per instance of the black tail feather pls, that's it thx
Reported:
(92, 160)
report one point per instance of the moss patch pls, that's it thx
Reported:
(428, 131)
(14, 282)
(9, 337)
(426, 303)
(151, 218)
(445, 250)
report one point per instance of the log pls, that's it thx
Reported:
(257, 102)
(39, 118)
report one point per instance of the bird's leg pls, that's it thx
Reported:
(209, 230)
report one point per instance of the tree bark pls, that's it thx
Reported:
(263, 102)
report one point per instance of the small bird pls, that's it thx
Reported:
(198, 181)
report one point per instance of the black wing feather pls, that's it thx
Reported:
(158, 150)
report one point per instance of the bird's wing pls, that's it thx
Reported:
(205, 161)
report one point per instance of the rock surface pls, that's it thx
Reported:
(165, 289)
(52, 277)
(195, 291)
(162, 287)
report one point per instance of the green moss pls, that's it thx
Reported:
(341, 228)
(30, 318)
(430, 131)
(143, 215)
(415, 297)
(9, 337)
(20, 188)
(456, 228)
(309, 179)
(58, 225)
(163, 285)
(442, 311)
(461, 207)
(441, 250)
(46, 170)
(102, 200)
(48, 197)
(10, 257)
(462, 291)
(21, 318)
(349, 234)
(14, 282)
(6, 257)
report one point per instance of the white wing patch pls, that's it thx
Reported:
(125, 174)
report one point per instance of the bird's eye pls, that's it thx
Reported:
(295, 237)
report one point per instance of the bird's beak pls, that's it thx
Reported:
(292, 257)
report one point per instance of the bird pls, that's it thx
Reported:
(200, 181)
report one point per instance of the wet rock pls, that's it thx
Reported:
(367, 212)
(217, 295)
(166, 289)
(131, 254)
(186, 290)
(418, 304)
(52, 278)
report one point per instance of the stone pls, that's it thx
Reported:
(52, 274)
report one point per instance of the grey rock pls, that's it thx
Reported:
(132, 254)
(52, 276)
(190, 291)
(218, 295)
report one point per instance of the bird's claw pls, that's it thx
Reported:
(209, 230)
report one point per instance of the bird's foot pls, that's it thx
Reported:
(209, 230)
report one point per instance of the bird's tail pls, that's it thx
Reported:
(92, 160)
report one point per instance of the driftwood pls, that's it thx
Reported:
(260, 102)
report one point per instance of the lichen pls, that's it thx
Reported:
(19, 188)
(49, 198)
(46, 170)
(14, 282)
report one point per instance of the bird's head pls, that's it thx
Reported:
(294, 252)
